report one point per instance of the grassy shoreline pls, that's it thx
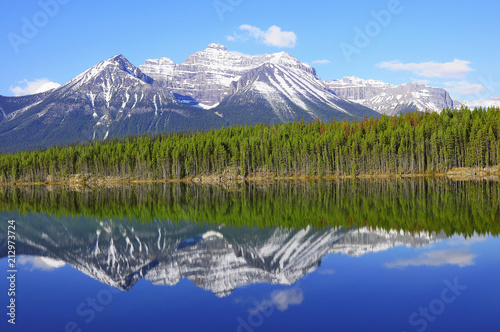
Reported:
(462, 173)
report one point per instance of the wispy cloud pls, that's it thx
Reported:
(284, 299)
(464, 88)
(485, 103)
(273, 36)
(461, 257)
(461, 241)
(454, 69)
(281, 300)
(321, 62)
(26, 87)
(40, 263)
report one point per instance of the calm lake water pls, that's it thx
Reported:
(405, 255)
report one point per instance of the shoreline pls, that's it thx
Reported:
(491, 173)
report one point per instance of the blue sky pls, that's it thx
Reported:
(450, 44)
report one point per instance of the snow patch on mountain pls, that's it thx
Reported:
(210, 75)
(484, 103)
(390, 99)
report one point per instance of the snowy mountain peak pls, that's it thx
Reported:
(158, 69)
(390, 99)
(109, 70)
(118, 57)
(353, 81)
(217, 47)
(287, 60)
(206, 77)
(485, 103)
(414, 84)
(115, 97)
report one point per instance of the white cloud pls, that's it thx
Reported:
(283, 299)
(280, 299)
(476, 238)
(464, 88)
(321, 62)
(274, 36)
(40, 263)
(460, 257)
(485, 103)
(454, 69)
(31, 87)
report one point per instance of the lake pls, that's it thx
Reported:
(355, 255)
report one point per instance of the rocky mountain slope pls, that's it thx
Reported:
(390, 99)
(485, 103)
(113, 98)
(211, 88)
(251, 89)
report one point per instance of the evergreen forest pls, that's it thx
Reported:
(413, 143)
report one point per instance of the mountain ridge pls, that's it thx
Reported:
(210, 89)
(391, 99)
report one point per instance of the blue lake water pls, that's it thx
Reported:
(93, 274)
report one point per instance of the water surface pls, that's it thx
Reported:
(410, 255)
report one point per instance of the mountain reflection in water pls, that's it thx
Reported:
(120, 253)
(302, 249)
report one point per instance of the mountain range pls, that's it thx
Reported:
(386, 98)
(215, 258)
(210, 89)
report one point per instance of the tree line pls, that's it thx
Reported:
(413, 205)
(410, 143)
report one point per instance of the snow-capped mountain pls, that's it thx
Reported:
(291, 89)
(391, 99)
(484, 103)
(113, 98)
(218, 259)
(210, 89)
(205, 77)
(278, 86)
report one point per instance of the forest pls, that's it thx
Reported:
(413, 143)
(409, 204)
